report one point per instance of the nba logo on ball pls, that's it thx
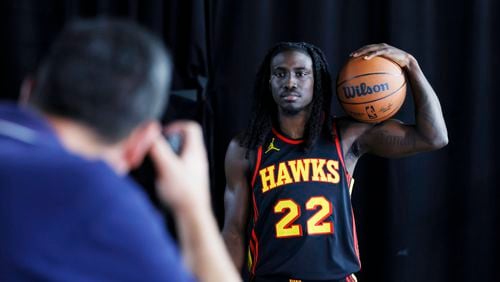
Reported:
(371, 90)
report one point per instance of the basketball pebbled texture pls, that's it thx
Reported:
(371, 90)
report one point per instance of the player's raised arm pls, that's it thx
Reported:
(236, 199)
(393, 138)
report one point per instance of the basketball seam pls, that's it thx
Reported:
(371, 101)
(366, 74)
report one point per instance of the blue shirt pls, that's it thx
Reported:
(65, 218)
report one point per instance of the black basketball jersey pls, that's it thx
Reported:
(302, 225)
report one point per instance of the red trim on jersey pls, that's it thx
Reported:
(286, 139)
(257, 166)
(349, 179)
(254, 248)
(255, 210)
(341, 156)
(256, 254)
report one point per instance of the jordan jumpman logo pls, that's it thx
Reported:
(272, 147)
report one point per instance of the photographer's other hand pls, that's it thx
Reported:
(183, 185)
(182, 180)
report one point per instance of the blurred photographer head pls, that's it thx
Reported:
(110, 77)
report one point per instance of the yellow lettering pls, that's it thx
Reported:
(317, 168)
(300, 169)
(283, 175)
(267, 178)
(333, 169)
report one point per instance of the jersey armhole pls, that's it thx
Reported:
(338, 145)
(254, 163)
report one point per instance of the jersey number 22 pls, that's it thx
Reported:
(316, 224)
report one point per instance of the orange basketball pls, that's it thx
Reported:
(371, 90)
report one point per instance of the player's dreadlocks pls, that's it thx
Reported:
(265, 109)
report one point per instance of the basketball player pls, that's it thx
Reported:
(289, 173)
(67, 210)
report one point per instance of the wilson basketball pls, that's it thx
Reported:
(371, 90)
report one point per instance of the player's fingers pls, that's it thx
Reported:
(363, 51)
(378, 52)
(397, 56)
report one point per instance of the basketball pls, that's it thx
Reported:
(371, 90)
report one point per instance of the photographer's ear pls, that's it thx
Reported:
(139, 142)
(26, 91)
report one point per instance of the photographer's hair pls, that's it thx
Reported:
(109, 75)
(265, 109)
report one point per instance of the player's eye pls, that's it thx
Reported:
(301, 73)
(279, 74)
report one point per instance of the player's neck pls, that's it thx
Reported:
(293, 126)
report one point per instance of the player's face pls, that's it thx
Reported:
(292, 81)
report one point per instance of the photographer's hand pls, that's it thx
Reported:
(183, 185)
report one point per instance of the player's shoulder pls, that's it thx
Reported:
(350, 128)
(346, 122)
(237, 155)
(236, 149)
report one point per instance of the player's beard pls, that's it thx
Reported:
(291, 111)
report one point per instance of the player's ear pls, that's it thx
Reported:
(139, 142)
(26, 91)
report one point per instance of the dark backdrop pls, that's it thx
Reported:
(430, 217)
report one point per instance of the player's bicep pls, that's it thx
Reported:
(236, 195)
(392, 138)
(236, 202)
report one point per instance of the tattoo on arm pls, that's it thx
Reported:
(384, 137)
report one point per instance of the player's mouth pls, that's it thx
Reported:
(290, 96)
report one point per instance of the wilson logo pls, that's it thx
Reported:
(363, 90)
